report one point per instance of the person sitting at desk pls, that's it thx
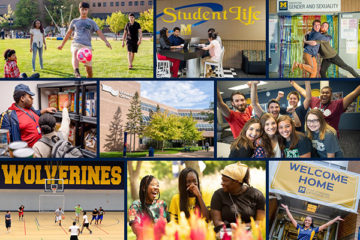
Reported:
(214, 51)
(176, 40)
(165, 44)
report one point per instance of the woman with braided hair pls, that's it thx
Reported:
(148, 207)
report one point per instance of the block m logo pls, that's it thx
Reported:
(185, 29)
(283, 5)
(302, 189)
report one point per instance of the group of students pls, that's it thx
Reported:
(212, 49)
(36, 127)
(82, 28)
(236, 199)
(308, 130)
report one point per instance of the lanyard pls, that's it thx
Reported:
(325, 106)
(32, 115)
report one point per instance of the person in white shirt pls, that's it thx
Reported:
(214, 50)
(37, 42)
(58, 215)
(75, 231)
(85, 223)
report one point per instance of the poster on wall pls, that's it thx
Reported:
(309, 181)
(351, 108)
(348, 29)
(230, 18)
(307, 6)
(337, 95)
(76, 174)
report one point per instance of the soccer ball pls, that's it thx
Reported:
(84, 55)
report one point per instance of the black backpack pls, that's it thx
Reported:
(60, 148)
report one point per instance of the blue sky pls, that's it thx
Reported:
(179, 94)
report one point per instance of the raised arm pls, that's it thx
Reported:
(293, 221)
(307, 99)
(224, 109)
(348, 99)
(322, 227)
(298, 88)
(254, 98)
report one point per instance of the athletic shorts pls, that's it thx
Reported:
(100, 217)
(8, 224)
(94, 218)
(132, 46)
(21, 214)
(58, 218)
(74, 237)
(77, 46)
(77, 214)
(86, 225)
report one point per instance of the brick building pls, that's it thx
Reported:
(114, 94)
(103, 8)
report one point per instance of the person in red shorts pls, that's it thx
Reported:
(332, 109)
(22, 119)
(21, 212)
(238, 117)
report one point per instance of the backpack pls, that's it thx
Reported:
(61, 148)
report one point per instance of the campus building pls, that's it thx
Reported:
(103, 8)
(320, 189)
(114, 94)
(290, 20)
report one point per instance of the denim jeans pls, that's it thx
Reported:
(35, 49)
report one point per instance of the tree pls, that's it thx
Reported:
(67, 8)
(25, 13)
(133, 176)
(114, 140)
(116, 21)
(146, 20)
(5, 19)
(134, 119)
(163, 127)
(100, 22)
(189, 132)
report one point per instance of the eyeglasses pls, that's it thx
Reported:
(313, 121)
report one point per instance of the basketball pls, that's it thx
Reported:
(63, 217)
(84, 55)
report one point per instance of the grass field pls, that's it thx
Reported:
(106, 63)
(145, 153)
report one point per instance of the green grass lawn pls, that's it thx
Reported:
(106, 63)
(145, 153)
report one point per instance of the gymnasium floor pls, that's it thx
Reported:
(41, 226)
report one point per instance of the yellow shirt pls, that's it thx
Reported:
(174, 208)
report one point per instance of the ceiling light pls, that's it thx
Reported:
(244, 86)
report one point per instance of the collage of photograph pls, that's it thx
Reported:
(180, 120)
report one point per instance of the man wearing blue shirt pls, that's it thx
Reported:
(175, 39)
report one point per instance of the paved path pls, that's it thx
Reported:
(197, 154)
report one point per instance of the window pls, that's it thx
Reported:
(111, 4)
(130, 3)
(94, 4)
(104, 4)
(122, 3)
(142, 3)
(136, 3)
(149, 3)
(99, 4)
(117, 4)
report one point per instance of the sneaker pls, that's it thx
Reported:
(90, 232)
(77, 73)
